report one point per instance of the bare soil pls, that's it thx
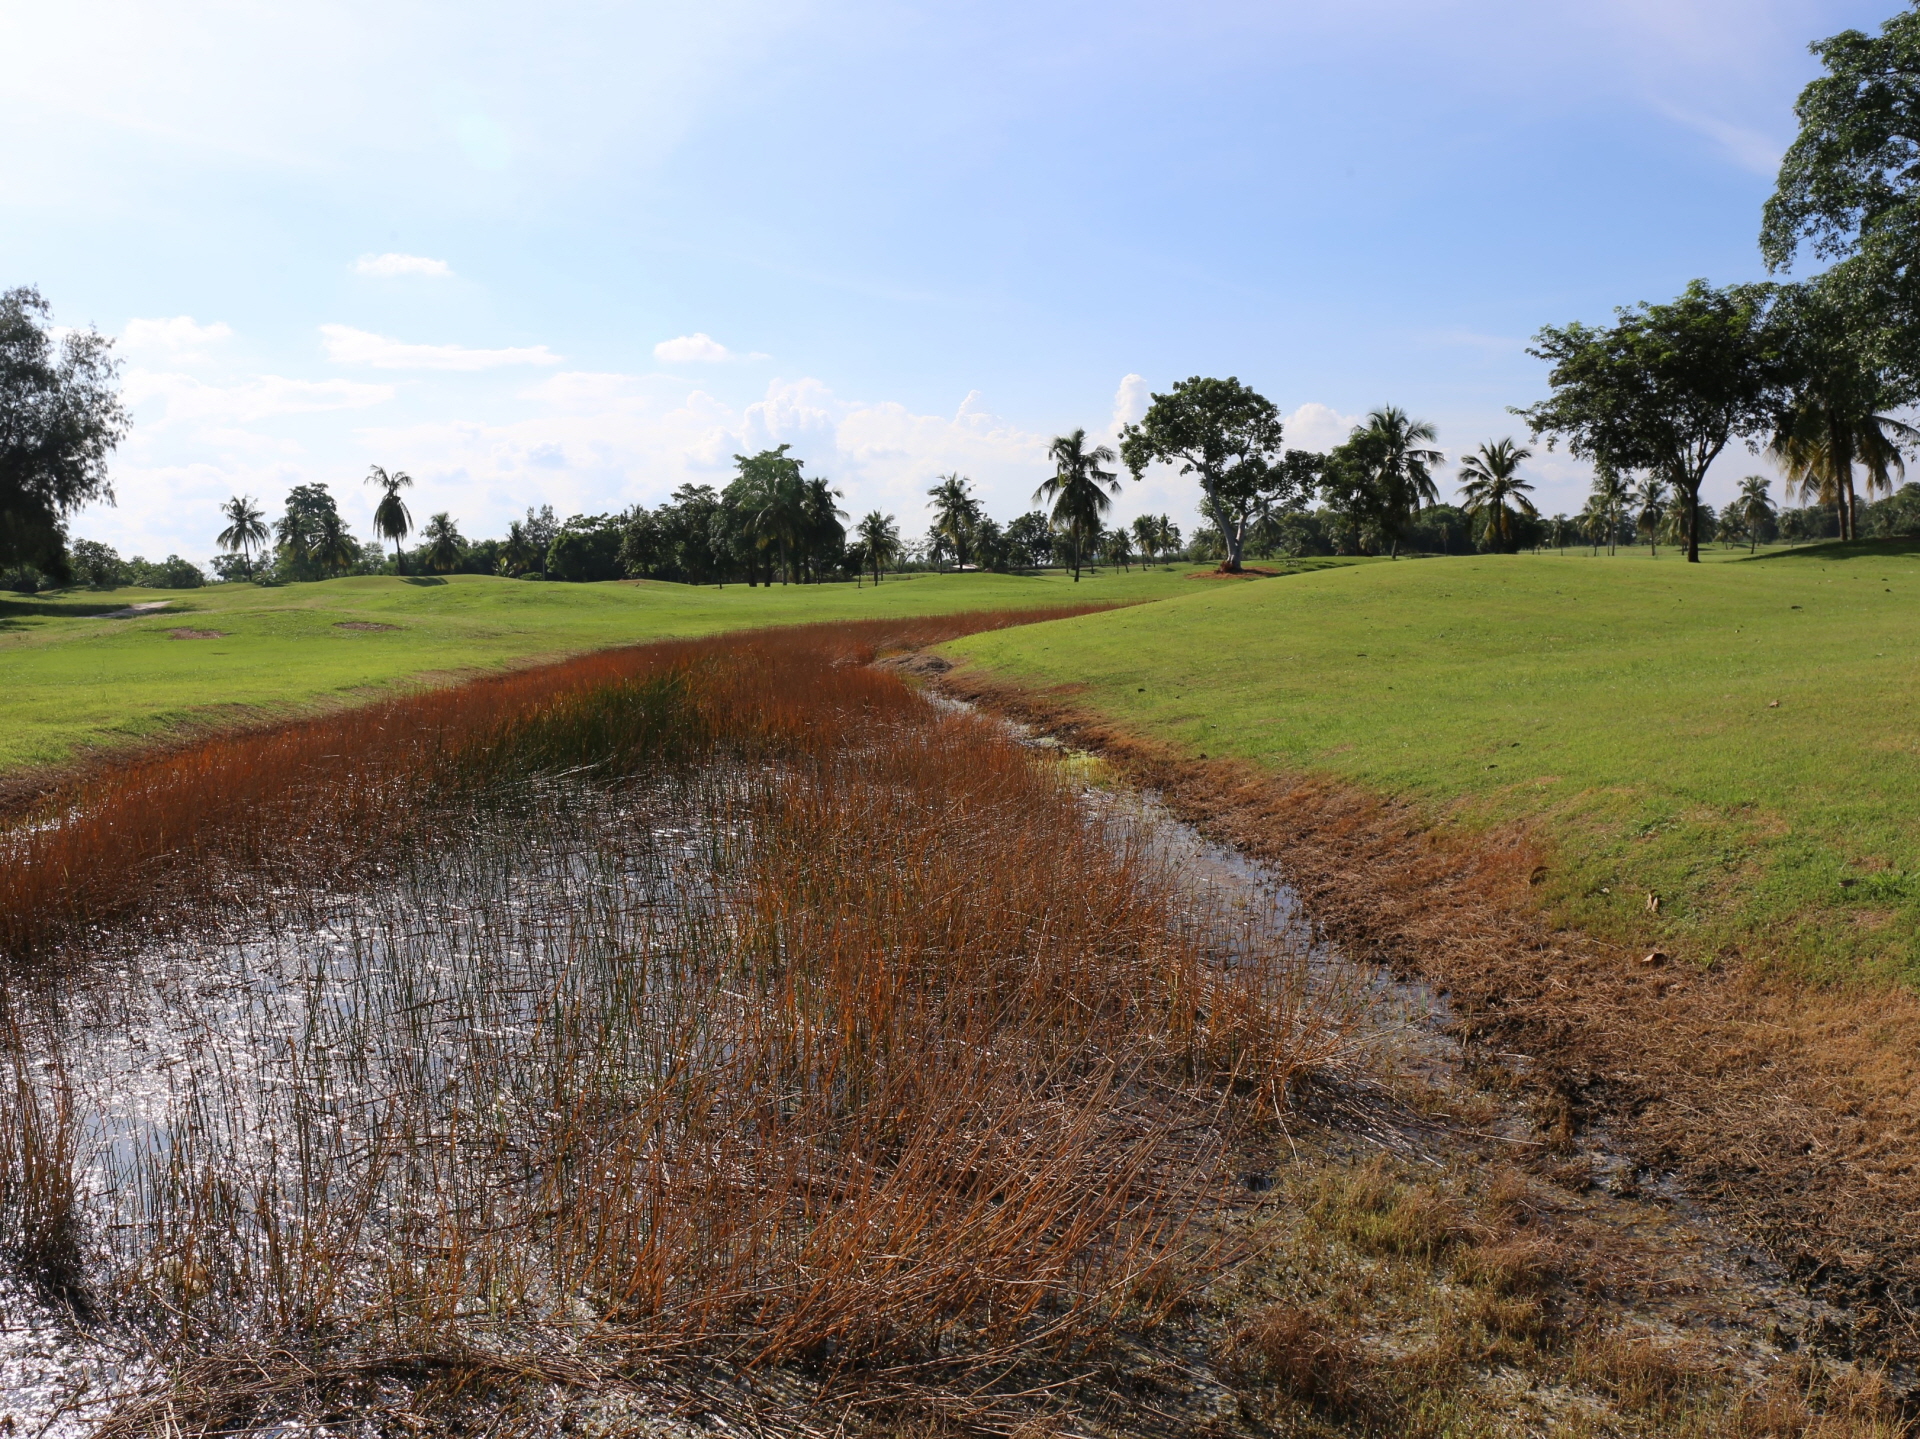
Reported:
(1791, 1113)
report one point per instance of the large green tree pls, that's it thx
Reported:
(1665, 388)
(60, 417)
(1227, 436)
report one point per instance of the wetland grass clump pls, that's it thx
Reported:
(715, 1008)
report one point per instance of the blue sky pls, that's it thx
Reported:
(580, 254)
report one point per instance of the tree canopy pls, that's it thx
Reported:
(1225, 434)
(1665, 388)
(60, 418)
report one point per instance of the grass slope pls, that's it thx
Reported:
(70, 679)
(1625, 707)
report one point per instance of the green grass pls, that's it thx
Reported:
(1624, 706)
(71, 680)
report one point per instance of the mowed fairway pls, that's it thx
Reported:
(1625, 707)
(71, 680)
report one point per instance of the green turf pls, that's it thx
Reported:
(1625, 705)
(70, 679)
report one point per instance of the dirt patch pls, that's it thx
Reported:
(1246, 572)
(1793, 1113)
(198, 634)
(361, 625)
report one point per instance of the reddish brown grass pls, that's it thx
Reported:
(936, 1080)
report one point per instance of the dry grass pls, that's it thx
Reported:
(711, 1005)
(1791, 1109)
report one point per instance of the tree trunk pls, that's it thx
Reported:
(1693, 523)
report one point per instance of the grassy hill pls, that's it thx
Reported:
(70, 678)
(1741, 739)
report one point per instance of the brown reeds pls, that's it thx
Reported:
(321, 796)
(719, 1002)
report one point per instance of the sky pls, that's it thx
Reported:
(581, 254)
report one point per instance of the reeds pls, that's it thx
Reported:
(726, 1003)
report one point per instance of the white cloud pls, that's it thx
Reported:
(178, 338)
(1317, 427)
(1129, 401)
(348, 346)
(258, 398)
(698, 348)
(391, 266)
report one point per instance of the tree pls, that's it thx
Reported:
(1849, 184)
(879, 537)
(313, 542)
(246, 530)
(1830, 418)
(1754, 508)
(1493, 491)
(60, 418)
(955, 514)
(391, 518)
(823, 538)
(586, 550)
(97, 566)
(1606, 503)
(1649, 501)
(1382, 474)
(444, 544)
(768, 504)
(1225, 434)
(1116, 547)
(1029, 540)
(1080, 491)
(1665, 389)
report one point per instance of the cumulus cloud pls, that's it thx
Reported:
(348, 346)
(1317, 427)
(1129, 401)
(699, 348)
(178, 338)
(391, 266)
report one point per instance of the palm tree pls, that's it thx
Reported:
(1606, 502)
(390, 516)
(246, 530)
(516, 552)
(880, 537)
(955, 514)
(1116, 548)
(1080, 490)
(1146, 534)
(333, 549)
(821, 532)
(443, 542)
(1398, 449)
(1649, 498)
(1818, 443)
(1493, 489)
(1754, 508)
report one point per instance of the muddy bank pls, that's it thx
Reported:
(1789, 1114)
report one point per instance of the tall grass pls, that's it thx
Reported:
(725, 1003)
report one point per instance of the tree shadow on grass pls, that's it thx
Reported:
(1896, 548)
(422, 580)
